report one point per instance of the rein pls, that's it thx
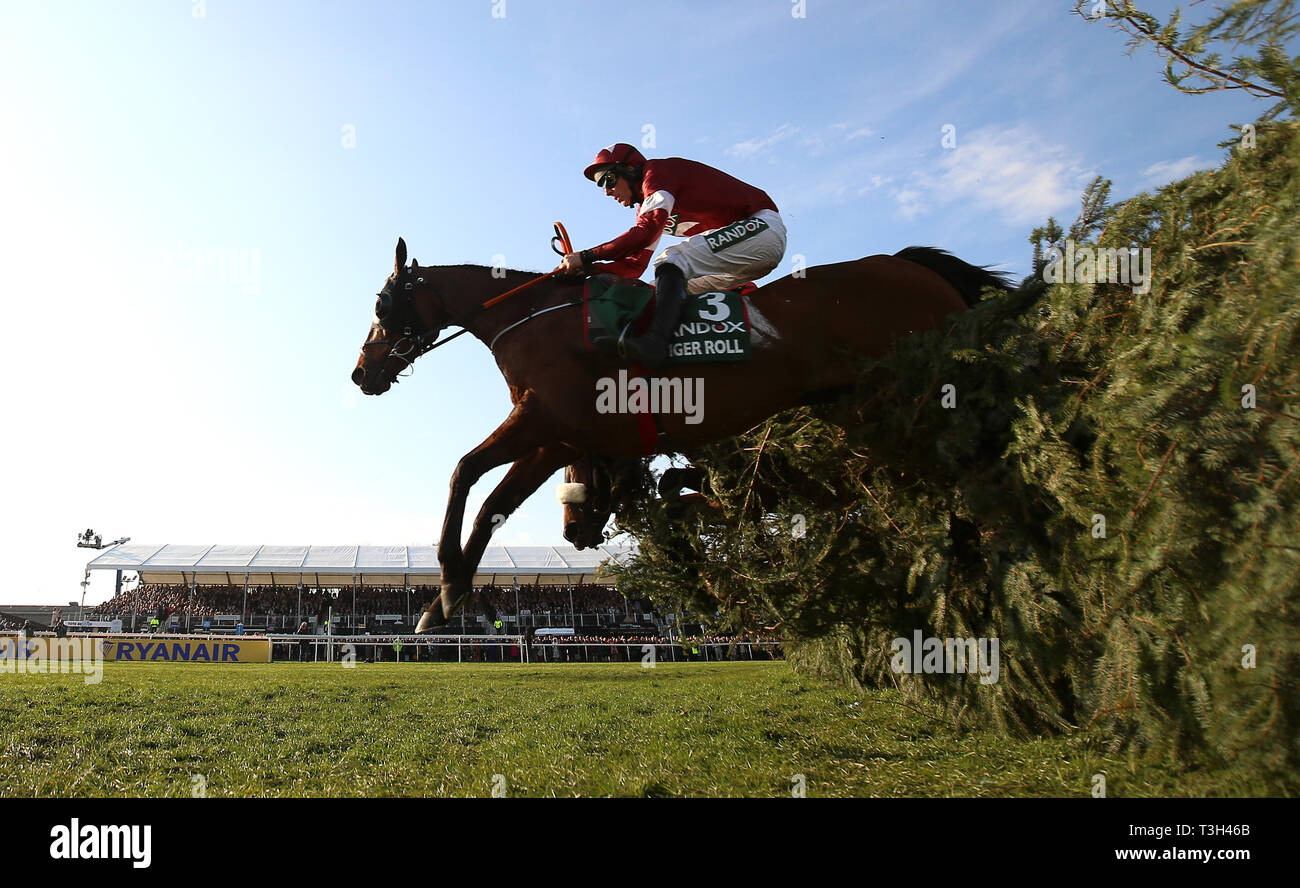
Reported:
(526, 319)
(563, 248)
(424, 349)
(419, 347)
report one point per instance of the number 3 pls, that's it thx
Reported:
(718, 310)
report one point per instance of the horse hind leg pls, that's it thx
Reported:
(584, 522)
(576, 495)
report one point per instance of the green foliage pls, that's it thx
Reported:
(1074, 402)
(1194, 64)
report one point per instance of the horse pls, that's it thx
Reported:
(809, 331)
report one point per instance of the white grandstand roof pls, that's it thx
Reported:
(337, 566)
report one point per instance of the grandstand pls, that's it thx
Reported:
(532, 604)
(362, 588)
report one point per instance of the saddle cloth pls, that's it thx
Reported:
(714, 326)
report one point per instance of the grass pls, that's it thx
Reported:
(698, 729)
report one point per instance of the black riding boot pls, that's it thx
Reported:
(651, 350)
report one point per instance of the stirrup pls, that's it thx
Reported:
(649, 361)
(622, 341)
(608, 345)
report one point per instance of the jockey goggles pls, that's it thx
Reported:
(606, 179)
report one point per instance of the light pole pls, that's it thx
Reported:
(81, 611)
(91, 540)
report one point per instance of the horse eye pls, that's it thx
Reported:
(382, 305)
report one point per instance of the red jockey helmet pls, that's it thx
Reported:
(620, 154)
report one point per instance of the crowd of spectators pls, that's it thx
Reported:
(628, 648)
(585, 598)
(209, 601)
(148, 598)
(687, 641)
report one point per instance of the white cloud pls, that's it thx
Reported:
(753, 147)
(1171, 170)
(814, 144)
(876, 181)
(910, 203)
(818, 141)
(1012, 171)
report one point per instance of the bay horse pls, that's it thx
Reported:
(809, 331)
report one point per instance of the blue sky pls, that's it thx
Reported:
(170, 402)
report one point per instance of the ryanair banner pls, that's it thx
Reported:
(184, 649)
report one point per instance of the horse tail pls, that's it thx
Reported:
(968, 280)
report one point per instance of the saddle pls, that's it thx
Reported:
(714, 326)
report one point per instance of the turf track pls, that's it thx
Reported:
(715, 729)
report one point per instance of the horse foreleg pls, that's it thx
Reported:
(521, 482)
(513, 439)
(523, 479)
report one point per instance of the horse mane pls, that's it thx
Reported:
(968, 280)
(488, 268)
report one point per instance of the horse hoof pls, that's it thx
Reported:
(430, 620)
(452, 598)
(573, 533)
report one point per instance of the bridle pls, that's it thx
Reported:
(416, 339)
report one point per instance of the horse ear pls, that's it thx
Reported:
(401, 254)
(415, 263)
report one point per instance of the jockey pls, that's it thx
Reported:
(733, 234)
